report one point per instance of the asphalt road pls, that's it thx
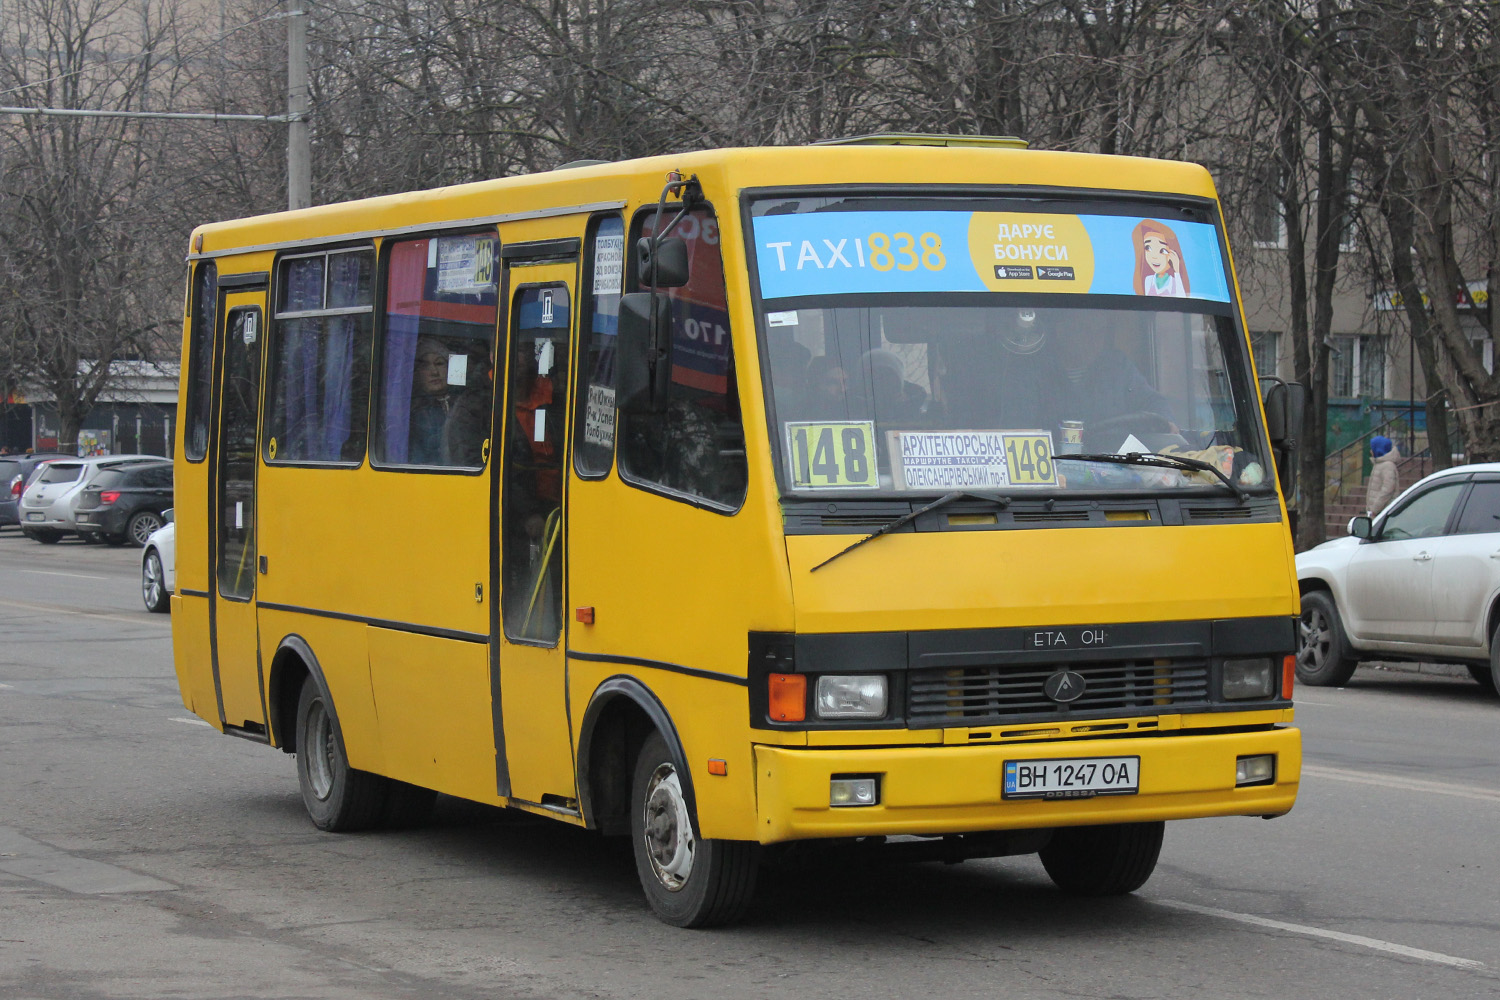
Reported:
(142, 854)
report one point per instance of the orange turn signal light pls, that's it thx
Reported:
(585, 615)
(718, 766)
(1288, 675)
(788, 697)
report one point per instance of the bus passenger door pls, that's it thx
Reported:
(232, 557)
(532, 535)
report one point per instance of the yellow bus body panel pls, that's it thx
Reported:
(1072, 576)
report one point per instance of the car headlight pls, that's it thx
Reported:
(1249, 678)
(851, 697)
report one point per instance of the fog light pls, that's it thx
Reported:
(853, 792)
(859, 697)
(1243, 679)
(1259, 770)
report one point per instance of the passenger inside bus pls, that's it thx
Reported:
(431, 400)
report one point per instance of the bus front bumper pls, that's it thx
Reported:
(947, 789)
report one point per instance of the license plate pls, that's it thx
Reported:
(36, 515)
(1072, 777)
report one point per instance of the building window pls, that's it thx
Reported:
(1267, 224)
(1357, 367)
(320, 362)
(1265, 344)
(436, 379)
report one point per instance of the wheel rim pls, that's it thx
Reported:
(142, 527)
(668, 831)
(1317, 639)
(321, 750)
(151, 581)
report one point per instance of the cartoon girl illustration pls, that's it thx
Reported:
(1158, 261)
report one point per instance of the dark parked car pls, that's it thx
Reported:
(16, 472)
(125, 505)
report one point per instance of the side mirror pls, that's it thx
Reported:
(1360, 526)
(666, 266)
(643, 357)
(1284, 402)
(167, 515)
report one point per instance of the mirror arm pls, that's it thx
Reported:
(690, 195)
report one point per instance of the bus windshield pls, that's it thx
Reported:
(930, 374)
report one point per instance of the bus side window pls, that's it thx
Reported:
(200, 357)
(594, 422)
(696, 445)
(320, 358)
(434, 388)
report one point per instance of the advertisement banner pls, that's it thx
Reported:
(844, 253)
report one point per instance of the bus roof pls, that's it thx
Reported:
(598, 187)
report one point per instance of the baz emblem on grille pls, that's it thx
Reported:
(1065, 686)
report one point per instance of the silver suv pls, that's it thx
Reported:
(47, 505)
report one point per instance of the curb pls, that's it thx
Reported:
(1429, 669)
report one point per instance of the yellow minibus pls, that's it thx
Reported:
(908, 491)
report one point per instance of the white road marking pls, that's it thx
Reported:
(4, 685)
(1319, 704)
(191, 722)
(1402, 784)
(1355, 939)
(74, 576)
(59, 609)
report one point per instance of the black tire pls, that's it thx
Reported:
(338, 798)
(689, 882)
(1490, 679)
(1103, 860)
(141, 525)
(1324, 657)
(154, 593)
(44, 536)
(114, 541)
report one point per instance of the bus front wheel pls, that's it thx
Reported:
(689, 881)
(339, 798)
(1103, 860)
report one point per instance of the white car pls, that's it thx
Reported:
(159, 566)
(1420, 581)
(46, 510)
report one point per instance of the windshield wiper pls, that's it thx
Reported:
(1178, 462)
(906, 519)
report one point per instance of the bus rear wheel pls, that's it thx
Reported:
(339, 798)
(1103, 860)
(689, 881)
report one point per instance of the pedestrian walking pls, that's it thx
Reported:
(1385, 480)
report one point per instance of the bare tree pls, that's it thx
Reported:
(79, 282)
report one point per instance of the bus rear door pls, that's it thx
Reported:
(236, 650)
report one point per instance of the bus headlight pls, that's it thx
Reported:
(852, 697)
(1250, 678)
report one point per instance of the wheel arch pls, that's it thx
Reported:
(621, 714)
(293, 663)
(1491, 621)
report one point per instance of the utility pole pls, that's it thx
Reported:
(298, 137)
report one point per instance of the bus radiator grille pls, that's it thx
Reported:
(981, 695)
